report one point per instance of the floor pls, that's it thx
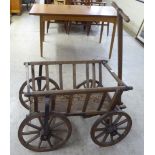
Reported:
(60, 46)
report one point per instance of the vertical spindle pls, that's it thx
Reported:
(60, 76)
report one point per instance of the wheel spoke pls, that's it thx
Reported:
(34, 126)
(33, 138)
(26, 100)
(104, 123)
(100, 134)
(110, 119)
(50, 144)
(58, 124)
(91, 84)
(30, 132)
(112, 138)
(52, 120)
(49, 123)
(31, 87)
(41, 122)
(57, 137)
(43, 88)
(99, 129)
(122, 122)
(121, 128)
(60, 130)
(84, 86)
(98, 85)
(105, 137)
(119, 134)
(117, 119)
(39, 144)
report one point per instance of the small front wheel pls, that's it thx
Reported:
(32, 135)
(111, 128)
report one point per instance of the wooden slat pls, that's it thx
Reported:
(87, 74)
(39, 80)
(86, 102)
(74, 76)
(52, 102)
(27, 77)
(35, 104)
(100, 73)
(47, 77)
(40, 70)
(63, 62)
(93, 75)
(102, 101)
(60, 76)
(33, 77)
(69, 103)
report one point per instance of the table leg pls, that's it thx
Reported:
(102, 27)
(43, 31)
(41, 35)
(112, 40)
(48, 25)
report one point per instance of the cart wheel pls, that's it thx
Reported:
(111, 128)
(84, 84)
(25, 100)
(31, 132)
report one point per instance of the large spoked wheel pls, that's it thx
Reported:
(31, 132)
(25, 101)
(84, 84)
(111, 128)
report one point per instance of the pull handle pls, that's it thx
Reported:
(120, 11)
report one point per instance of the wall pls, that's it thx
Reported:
(135, 11)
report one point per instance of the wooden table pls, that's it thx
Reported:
(73, 13)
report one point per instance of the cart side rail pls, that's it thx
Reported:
(104, 104)
(63, 62)
(120, 82)
(78, 91)
(74, 72)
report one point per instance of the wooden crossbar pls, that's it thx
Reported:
(87, 74)
(93, 75)
(74, 76)
(47, 77)
(60, 76)
(33, 77)
(100, 73)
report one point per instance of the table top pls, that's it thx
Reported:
(82, 10)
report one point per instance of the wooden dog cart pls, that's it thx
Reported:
(47, 127)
